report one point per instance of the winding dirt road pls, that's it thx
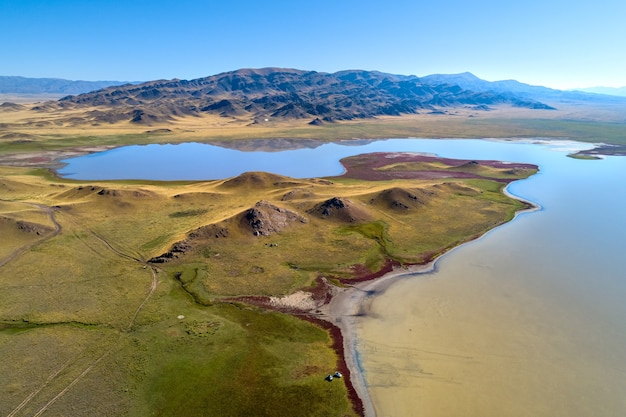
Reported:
(19, 251)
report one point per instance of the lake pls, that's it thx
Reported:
(529, 320)
(198, 161)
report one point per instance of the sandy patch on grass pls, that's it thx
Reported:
(300, 300)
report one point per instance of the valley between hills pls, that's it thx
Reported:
(173, 298)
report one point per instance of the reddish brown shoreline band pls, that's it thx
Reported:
(364, 167)
(319, 292)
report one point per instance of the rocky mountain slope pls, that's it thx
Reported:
(258, 94)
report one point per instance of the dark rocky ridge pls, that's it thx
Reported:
(264, 219)
(287, 93)
(25, 226)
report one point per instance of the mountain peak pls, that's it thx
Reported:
(467, 75)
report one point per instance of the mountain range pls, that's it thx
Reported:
(613, 91)
(24, 85)
(259, 94)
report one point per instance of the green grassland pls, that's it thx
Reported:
(89, 327)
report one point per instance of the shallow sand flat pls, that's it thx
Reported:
(344, 311)
(467, 341)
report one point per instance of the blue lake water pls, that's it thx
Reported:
(198, 161)
(529, 320)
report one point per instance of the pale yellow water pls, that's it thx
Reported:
(528, 321)
(465, 343)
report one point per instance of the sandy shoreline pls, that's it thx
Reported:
(343, 311)
(348, 304)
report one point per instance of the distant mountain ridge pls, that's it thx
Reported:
(264, 93)
(290, 93)
(612, 91)
(24, 85)
(472, 82)
(469, 81)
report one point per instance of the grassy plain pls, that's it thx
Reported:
(89, 328)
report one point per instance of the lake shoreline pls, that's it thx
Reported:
(353, 302)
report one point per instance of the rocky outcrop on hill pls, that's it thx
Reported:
(211, 231)
(339, 209)
(177, 249)
(123, 196)
(265, 219)
(25, 226)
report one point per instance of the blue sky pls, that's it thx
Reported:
(560, 44)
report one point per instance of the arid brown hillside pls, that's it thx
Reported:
(285, 93)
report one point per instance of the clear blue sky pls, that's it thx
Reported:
(556, 43)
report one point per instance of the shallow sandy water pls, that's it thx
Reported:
(528, 321)
(467, 344)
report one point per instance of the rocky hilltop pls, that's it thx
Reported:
(258, 94)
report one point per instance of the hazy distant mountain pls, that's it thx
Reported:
(291, 93)
(23, 85)
(611, 91)
(471, 82)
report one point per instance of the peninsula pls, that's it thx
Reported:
(181, 292)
